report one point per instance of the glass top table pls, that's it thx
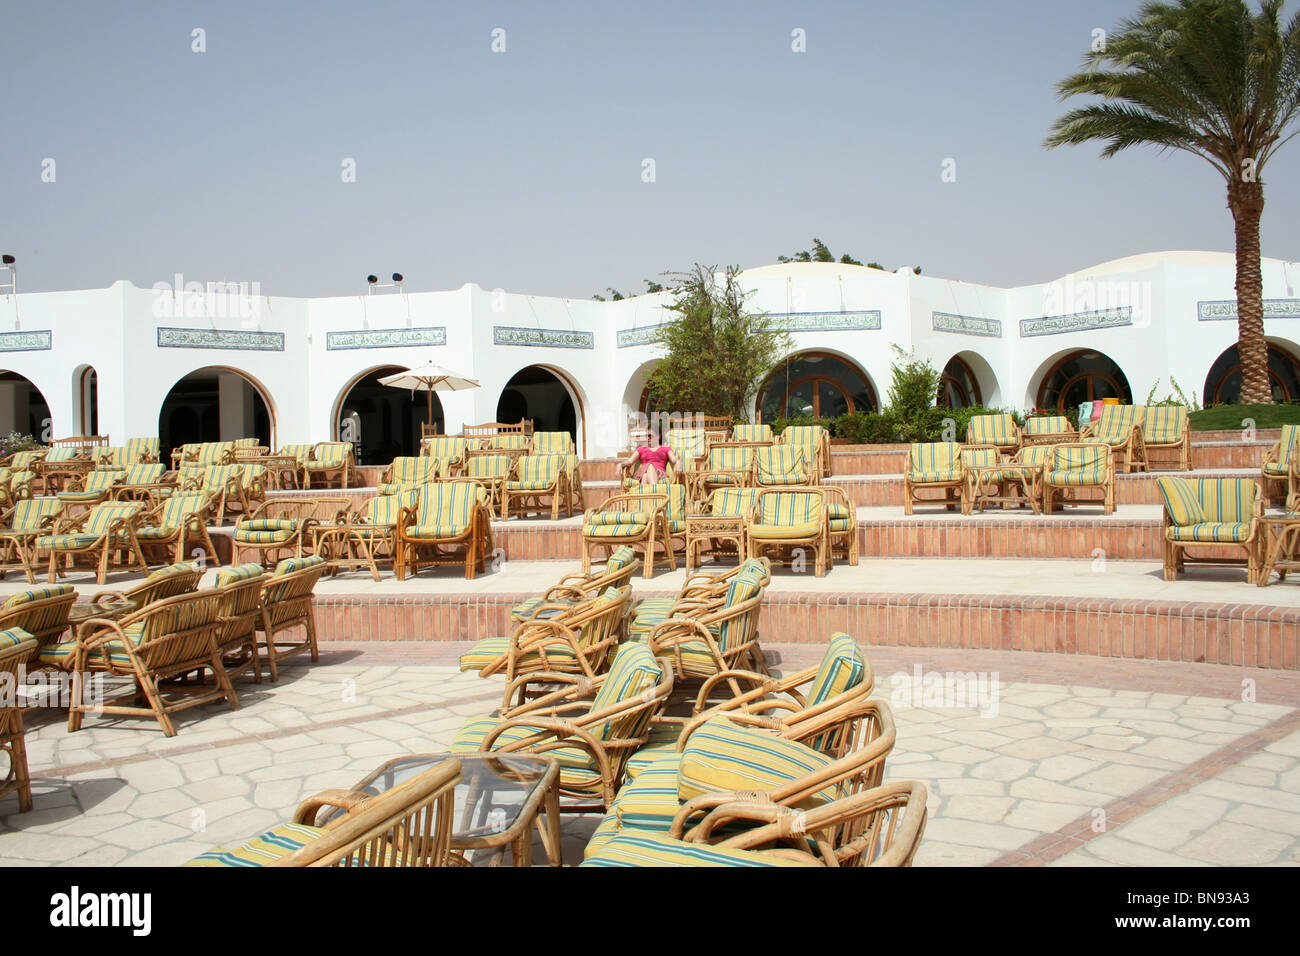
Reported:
(497, 801)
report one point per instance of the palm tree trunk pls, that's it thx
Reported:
(1246, 200)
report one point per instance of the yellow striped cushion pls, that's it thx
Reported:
(638, 848)
(37, 594)
(1181, 500)
(329, 456)
(1116, 424)
(997, 429)
(1210, 531)
(781, 532)
(633, 672)
(1035, 455)
(552, 443)
(722, 756)
(1163, 424)
(751, 432)
(731, 459)
(842, 668)
(14, 636)
(577, 769)
(780, 464)
(934, 458)
(1078, 477)
(734, 502)
(1047, 425)
(265, 848)
(488, 466)
(1227, 499)
(663, 740)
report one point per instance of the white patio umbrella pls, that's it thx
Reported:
(429, 378)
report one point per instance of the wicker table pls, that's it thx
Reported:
(498, 799)
(111, 612)
(712, 528)
(54, 473)
(1279, 546)
(352, 541)
(1012, 477)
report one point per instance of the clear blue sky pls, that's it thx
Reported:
(523, 169)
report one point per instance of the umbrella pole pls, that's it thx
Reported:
(429, 417)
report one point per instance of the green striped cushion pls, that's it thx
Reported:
(14, 636)
(734, 502)
(1286, 446)
(620, 558)
(1222, 532)
(64, 542)
(552, 443)
(633, 672)
(650, 801)
(329, 456)
(28, 514)
(61, 454)
(178, 567)
(488, 466)
(663, 740)
(839, 517)
(386, 508)
(997, 429)
(1227, 499)
(104, 515)
(842, 668)
(1181, 500)
(1079, 477)
(640, 848)
(807, 438)
(1079, 457)
(290, 565)
(1035, 455)
(1163, 424)
(37, 594)
(723, 756)
(1047, 425)
(1115, 425)
(939, 457)
(648, 615)
(778, 464)
(439, 529)
(979, 457)
(240, 572)
(791, 508)
(263, 849)
(268, 524)
(793, 532)
(731, 459)
(751, 432)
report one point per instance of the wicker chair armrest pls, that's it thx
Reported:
(342, 799)
(560, 730)
(705, 804)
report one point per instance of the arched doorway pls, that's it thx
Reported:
(215, 404)
(958, 386)
(817, 384)
(1223, 383)
(1079, 377)
(541, 394)
(86, 387)
(383, 422)
(23, 408)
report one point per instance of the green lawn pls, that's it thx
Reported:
(1232, 416)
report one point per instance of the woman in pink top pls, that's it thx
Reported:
(648, 465)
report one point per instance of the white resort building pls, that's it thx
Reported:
(189, 362)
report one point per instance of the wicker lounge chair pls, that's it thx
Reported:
(26, 521)
(280, 528)
(1281, 467)
(999, 430)
(240, 588)
(447, 524)
(91, 489)
(720, 521)
(935, 466)
(702, 591)
(590, 725)
(17, 649)
(575, 588)
(1075, 466)
(1120, 428)
(97, 534)
(161, 641)
(447, 452)
(724, 759)
(331, 461)
(540, 483)
(1212, 514)
(1167, 428)
(649, 517)
(407, 826)
(180, 578)
(176, 524)
(790, 519)
(408, 473)
(287, 604)
(815, 443)
(224, 484)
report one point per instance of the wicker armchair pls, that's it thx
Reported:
(934, 466)
(787, 519)
(814, 441)
(1167, 428)
(287, 605)
(1281, 467)
(590, 724)
(17, 649)
(447, 524)
(330, 461)
(1216, 515)
(575, 588)
(176, 524)
(41, 612)
(240, 588)
(638, 521)
(539, 481)
(281, 528)
(1075, 466)
(97, 534)
(999, 430)
(1119, 428)
(20, 527)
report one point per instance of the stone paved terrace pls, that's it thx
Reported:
(1086, 761)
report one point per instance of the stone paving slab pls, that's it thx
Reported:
(1012, 768)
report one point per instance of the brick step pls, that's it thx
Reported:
(1245, 635)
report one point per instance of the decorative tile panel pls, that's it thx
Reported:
(965, 325)
(542, 338)
(861, 321)
(646, 335)
(36, 341)
(241, 340)
(386, 338)
(1076, 322)
(1223, 310)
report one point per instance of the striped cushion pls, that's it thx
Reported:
(488, 466)
(650, 801)
(979, 457)
(408, 470)
(791, 508)
(171, 569)
(620, 517)
(490, 649)
(663, 740)
(613, 531)
(1047, 425)
(997, 429)
(268, 524)
(731, 459)
(290, 565)
(1035, 455)
(509, 441)
(934, 458)
(781, 532)
(734, 502)
(240, 572)
(1163, 424)
(441, 529)
(64, 542)
(1181, 500)
(1286, 447)
(1078, 477)
(648, 615)
(37, 594)
(61, 454)
(842, 668)
(1210, 531)
(689, 445)
(780, 464)
(839, 517)
(385, 509)
(28, 515)
(259, 537)
(620, 558)
(633, 672)
(14, 636)
(638, 848)
(552, 443)
(526, 608)
(751, 432)
(935, 477)
(807, 438)
(62, 655)
(723, 756)
(1115, 425)
(1227, 499)
(604, 832)
(329, 456)
(274, 844)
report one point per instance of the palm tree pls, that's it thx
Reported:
(1213, 78)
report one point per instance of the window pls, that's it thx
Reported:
(816, 384)
(1082, 377)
